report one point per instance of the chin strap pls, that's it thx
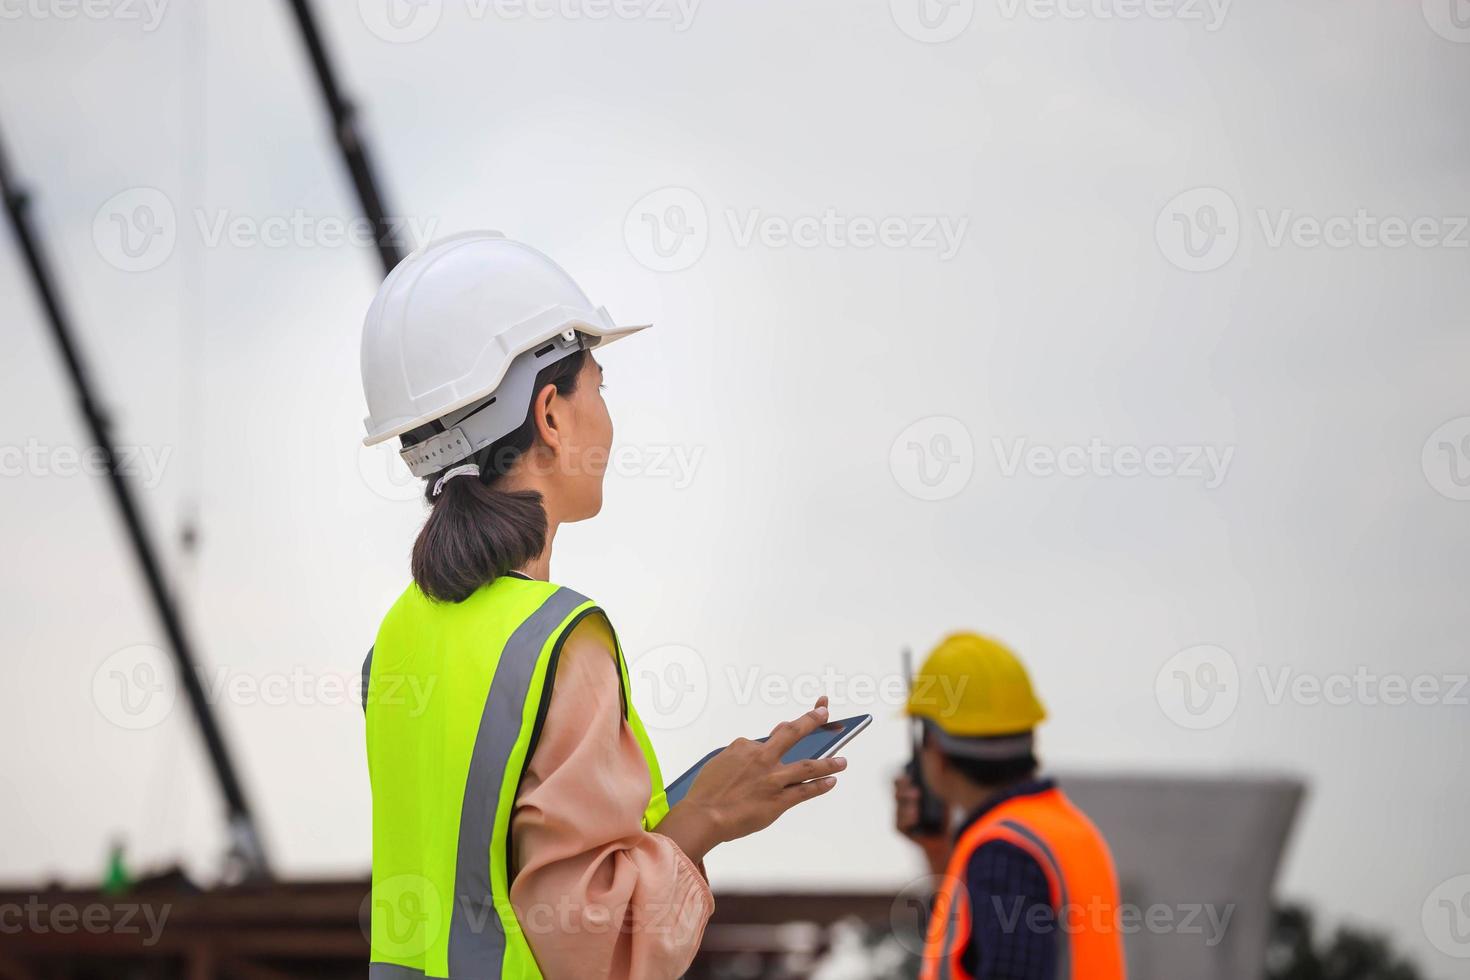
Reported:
(465, 470)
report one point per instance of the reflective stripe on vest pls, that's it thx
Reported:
(1079, 872)
(455, 696)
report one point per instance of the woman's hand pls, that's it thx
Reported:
(745, 788)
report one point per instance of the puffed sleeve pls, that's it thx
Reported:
(597, 895)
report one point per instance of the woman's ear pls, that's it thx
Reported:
(543, 412)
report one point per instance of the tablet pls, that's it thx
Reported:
(820, 744)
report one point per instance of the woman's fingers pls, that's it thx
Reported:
(745, 786)
(802, 792)
(800, 772)
(803, 770)
(788, 733)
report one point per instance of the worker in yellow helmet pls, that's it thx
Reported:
(1028, 890)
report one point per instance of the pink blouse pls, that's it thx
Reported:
(597, 895)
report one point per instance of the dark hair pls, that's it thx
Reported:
(475, 532)
(994, 772)
(989, 772)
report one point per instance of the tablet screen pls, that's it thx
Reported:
(814, 746)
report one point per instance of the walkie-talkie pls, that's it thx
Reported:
(931, 808)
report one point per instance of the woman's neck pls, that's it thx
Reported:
(539, 567)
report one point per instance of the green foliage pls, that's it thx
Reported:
(1294, 952)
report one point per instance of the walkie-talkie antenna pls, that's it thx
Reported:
(931, 808)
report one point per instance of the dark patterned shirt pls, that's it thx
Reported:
(1013, 925)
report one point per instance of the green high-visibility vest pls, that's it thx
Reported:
(455, 696)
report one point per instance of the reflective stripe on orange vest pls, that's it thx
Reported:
(1078, 868)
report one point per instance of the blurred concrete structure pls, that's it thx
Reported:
(1198, 857)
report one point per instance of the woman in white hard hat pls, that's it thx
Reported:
(520, 827)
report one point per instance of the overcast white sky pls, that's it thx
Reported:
(893, 275)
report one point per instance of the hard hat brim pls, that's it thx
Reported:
(617, 334)
(598, 326)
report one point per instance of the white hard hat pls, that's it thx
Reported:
(457, 334)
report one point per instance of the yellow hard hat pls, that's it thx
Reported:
(973, 686)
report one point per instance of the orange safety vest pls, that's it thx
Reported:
(1078, 867)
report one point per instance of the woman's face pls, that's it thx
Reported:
(586, 436)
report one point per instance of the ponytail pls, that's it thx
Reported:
(476, 532)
